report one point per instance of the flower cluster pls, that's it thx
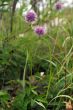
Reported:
(40, 30)
(31, 17)
(59, 6)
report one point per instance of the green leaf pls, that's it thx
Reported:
(40, 104)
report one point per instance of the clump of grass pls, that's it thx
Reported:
(24, 55)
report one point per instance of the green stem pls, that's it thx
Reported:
(24, 74)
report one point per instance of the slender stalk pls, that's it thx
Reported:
(65, 70)
(24, 74)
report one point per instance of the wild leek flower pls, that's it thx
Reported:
(40, 30)
(58, 6)
(31, 16)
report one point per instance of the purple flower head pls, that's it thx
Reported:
(58, 6)
(40, 30)
(31, 16)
